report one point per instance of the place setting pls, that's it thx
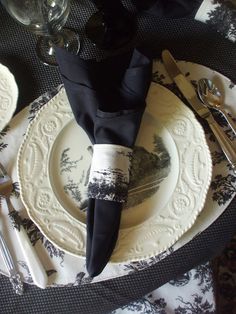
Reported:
(177, 182)
(121, 165)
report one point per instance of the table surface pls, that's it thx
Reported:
(188, 40)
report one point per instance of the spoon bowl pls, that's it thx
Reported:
(209, 93)
(211, 97)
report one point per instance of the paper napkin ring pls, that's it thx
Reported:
(109, 172)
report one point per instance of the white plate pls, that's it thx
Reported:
(69, 165)
(8, 96)
(171, 150)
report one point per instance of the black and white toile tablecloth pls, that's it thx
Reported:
(188, 40)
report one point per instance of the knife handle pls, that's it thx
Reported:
(225, 143)
(36, 268)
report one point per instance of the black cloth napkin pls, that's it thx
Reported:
(108, 100)
(168, 8)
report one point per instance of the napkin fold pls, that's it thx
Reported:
(108, 100)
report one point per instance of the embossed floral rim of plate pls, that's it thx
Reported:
(164, 199)
(8, 96)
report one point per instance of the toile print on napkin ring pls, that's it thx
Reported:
(109, 172)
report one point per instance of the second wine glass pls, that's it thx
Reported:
(46, 19)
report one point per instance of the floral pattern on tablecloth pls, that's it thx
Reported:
(225, 279)
(221, 14)
(190, 293)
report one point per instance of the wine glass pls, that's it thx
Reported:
(112, 26)
(46, 19)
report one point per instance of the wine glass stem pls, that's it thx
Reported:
(56, 40)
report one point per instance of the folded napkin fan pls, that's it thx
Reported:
(108, 100)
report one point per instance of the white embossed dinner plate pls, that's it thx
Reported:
(170, 179)
(8, 96)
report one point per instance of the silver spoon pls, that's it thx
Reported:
(212, 98)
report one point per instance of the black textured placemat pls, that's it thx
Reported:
(188, 40)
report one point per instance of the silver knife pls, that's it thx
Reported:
(14, 276)
(190, 94)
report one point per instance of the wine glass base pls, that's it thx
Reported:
(45, 47)
(110, 33)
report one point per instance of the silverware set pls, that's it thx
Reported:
(210, 97)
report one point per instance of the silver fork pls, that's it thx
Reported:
(14, 276)
(34, 264)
